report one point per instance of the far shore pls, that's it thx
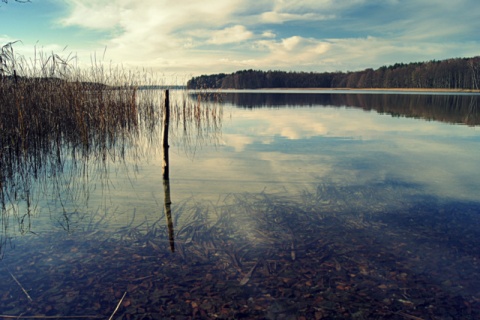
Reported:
(374, 89)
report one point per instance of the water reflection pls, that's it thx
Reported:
(314, 211)
(450, 108)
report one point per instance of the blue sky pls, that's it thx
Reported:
(186, 38)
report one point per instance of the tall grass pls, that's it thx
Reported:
(54, 113)
(48, 103)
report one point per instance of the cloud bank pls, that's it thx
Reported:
(203, 37)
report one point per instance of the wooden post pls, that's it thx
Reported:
(166, 122)
(166, 172)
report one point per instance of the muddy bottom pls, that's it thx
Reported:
(286, 262)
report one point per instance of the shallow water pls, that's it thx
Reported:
(296, 204)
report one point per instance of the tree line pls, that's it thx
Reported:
(456, 73)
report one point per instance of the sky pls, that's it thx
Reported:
(184, 38)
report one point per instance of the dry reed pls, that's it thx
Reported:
(53, 112)
(55, 115)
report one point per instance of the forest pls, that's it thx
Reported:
(456, 73)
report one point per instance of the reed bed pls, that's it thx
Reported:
(59, 119)
(49, 104)
(53, 112)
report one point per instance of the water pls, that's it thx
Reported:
(322, 205)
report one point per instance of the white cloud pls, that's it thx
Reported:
(230, 35)
(291, 43)
(268, 34)
(293, 51)
(196, 37)
(94, 14)
(311, 5)
(149, 14)
(279, 17)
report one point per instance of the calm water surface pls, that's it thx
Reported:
(295, 204)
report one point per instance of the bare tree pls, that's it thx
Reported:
(475, 69)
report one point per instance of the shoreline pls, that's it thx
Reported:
(375, 89)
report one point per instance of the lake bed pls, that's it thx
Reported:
(293, 205)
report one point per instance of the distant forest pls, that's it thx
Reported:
(458, 73)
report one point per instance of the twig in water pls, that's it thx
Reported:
(246, 278)
(21, 287)
(142, 278)
(118, 306)
(408, 316)
(48, 317)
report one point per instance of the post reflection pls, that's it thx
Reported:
(166, 172)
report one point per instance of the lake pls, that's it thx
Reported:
(278, 204)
